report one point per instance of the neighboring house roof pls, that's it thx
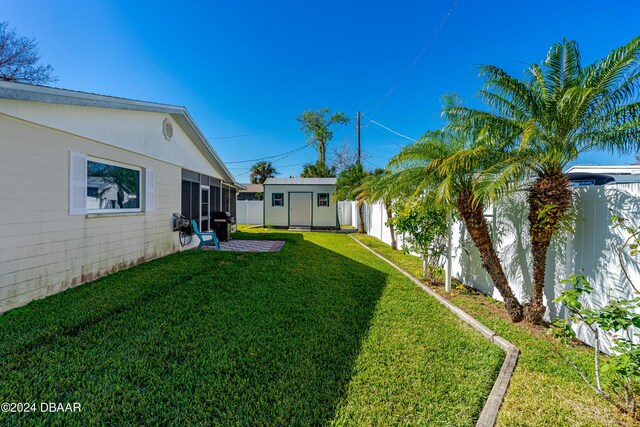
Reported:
(608, 169)
(253, 188)
(35, 93)
(98, 182)
(301, 181)
(621, 173)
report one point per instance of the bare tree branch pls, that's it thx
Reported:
(20, 59)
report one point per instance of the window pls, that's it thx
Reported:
(277, 199)
(112, 187)
(323, 199)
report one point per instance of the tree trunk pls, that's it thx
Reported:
(549, 200)
(474, 220)
(392, 228)
(322, 150)
(360, 217)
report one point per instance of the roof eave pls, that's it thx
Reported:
(35, 93)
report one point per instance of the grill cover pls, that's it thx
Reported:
(224, 216)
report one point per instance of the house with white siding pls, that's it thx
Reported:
(89, 184)
(300, 203)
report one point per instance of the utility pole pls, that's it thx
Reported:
(358, 119)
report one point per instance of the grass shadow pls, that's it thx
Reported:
(197, 338)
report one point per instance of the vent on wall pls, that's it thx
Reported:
(167, 129)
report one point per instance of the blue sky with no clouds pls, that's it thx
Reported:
(246, 69)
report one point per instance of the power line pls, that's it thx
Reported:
(389, 129)
(393, 131)
(376, 155)
(290, 166)
(417, 58)
(246, 134)
(385, 137)
(404, 120)
(279, 167)
(284, 155)
(373, 164)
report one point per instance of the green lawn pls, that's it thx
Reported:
(320, 333)
(544, 391)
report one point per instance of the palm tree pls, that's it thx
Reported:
(261, 171)
(559, 111)
(349, 187)
(380, 186)
(448, 164)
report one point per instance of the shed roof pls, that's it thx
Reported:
(300, 181)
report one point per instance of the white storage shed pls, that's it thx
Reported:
(300, 203)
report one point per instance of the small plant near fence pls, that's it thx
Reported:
(617, 377)
(425, 233)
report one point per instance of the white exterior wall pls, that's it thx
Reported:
(278, 216)
(44, 249)
(136, 131)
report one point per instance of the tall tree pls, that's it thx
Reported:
(261, 171)
(448, 164)
(559, 111)
(317, 127)
(20, 59)
(349, 186)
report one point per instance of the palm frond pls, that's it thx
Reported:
(562, 66)
(605, 72)
(500, 85)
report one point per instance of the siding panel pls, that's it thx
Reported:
(43, 249)
(279, 216)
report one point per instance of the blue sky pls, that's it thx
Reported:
(250, 67)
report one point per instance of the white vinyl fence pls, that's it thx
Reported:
(249, 211)
(589, 250)
(344, 213)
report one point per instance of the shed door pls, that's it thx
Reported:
(300, 209)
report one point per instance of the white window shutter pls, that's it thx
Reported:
(77, 183)
(149, 196)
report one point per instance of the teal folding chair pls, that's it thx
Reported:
(213, 241)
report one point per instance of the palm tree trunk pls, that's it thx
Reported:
(549, 200)
(474, 220)
(392, 228)
(360, 216)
